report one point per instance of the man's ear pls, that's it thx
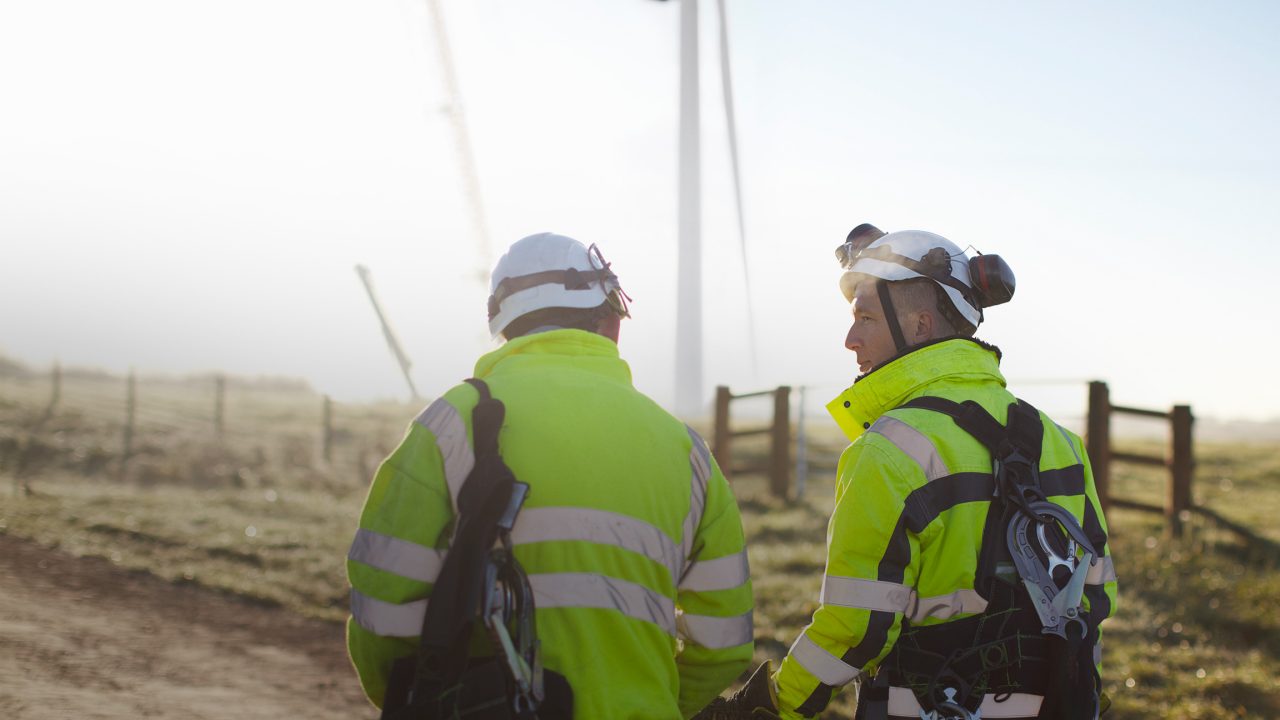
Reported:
(924, 325)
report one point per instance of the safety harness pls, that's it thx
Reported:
(480, 582)
(1034, 636)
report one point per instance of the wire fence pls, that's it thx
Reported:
(202, 430)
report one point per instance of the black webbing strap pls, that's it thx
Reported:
(1016, 447)
(571, 278)
(891, 316)
(1024, 432)
(446, 631)
(873, 698)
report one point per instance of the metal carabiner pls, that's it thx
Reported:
(1055, 560)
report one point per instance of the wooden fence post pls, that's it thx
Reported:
(130, 410)
(802, 448)
(1181, 469)
(722, 437)
(55, 395)
(327, 443)
(780, 454)
(1098, 439)
(219, 405)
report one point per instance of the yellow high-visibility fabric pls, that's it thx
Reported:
(874, 562)
(641, 601)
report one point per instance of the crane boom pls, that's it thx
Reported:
(367, 278)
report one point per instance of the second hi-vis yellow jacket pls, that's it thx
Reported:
(915, 463)
(630, 536)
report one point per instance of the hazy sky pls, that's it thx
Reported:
(186, 186)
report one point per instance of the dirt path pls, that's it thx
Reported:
(80, 638)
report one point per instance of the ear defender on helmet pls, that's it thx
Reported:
(992, 279)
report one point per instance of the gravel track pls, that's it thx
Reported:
(81, 638)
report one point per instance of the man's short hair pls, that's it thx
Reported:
(924, 294)
(577, 318)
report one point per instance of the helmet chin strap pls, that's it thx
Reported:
(891, 316)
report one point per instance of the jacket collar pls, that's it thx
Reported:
(586, 349)
(908, 376)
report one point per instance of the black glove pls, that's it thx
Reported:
(757, 700)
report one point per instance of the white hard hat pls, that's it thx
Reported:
(549, 271)
(914, 254)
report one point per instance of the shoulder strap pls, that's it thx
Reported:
(1015, 451)
(455, 596)
(486, 420)
(1024, 431)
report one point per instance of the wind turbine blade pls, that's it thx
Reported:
(726, 78)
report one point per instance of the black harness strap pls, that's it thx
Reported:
(444, 682)
(444, 649)
(481, 501)
(969, 415)
(1024, 432)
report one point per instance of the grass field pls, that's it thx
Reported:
(260, 514)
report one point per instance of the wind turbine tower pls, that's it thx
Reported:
(689, 387)
(689, 394)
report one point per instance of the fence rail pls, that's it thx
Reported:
(778, 463)
(1180, 458)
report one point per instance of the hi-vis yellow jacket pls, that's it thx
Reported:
(912, 467)
(630, 535)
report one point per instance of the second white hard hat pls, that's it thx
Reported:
(913, 254)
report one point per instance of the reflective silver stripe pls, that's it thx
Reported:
(723, 573)
(1070, 444)
(443, 420)
(401, 557)
(903, 703)
(562, 590)
(585, 590)
(388, 619)
(1097, 654)
(913, 443)
(866, 594)
(716, 633)
(945, 606)
(892, 597)
(1100, 573)
(828, 668)
(598, 526)
(700, 468)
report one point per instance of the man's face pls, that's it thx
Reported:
(869, 337)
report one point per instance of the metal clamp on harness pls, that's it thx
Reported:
(1057, 607)
(1017, 482)
(506, 599)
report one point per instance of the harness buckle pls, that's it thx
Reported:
(949, 709)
